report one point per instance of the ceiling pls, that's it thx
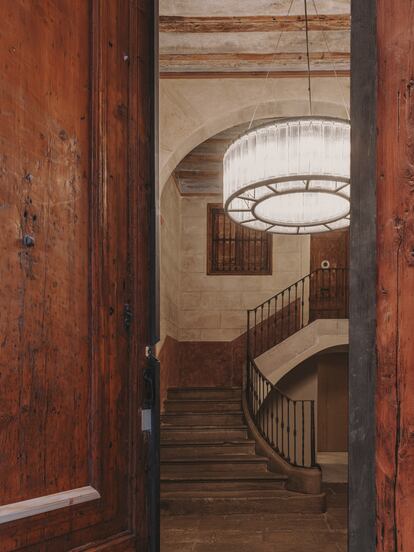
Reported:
(250, 39)
(201, 171)
(227, 38)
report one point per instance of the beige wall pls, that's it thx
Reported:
(198, 307)
(302, 383)
(170, 267)
(193, 110)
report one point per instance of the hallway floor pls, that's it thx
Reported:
(262, 532)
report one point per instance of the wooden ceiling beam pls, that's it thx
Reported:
(226, 58)
(252, 74)
(263, 23)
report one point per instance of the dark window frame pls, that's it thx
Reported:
(234, 229)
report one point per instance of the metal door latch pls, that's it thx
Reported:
(146, 417)
(151, 378)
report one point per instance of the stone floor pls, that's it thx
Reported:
(261, 532)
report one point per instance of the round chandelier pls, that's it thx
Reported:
(291, 176)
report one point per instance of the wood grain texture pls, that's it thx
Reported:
(76, 129)
(234, 249)
(44, 294)
(230, 61)
(264, 23)
(329, 295)
(35, 506)
(395, 298)
(330, 246)
(332, 402)
(229, 57)
(325, 73)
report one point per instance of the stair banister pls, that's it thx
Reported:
(288, 425)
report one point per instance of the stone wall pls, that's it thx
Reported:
(213, 308)
(170, 266)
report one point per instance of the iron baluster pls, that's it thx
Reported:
(303, 433)
(312, 432)
(295, 433)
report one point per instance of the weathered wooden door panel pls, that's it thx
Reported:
(44, 195)
(329, 290)
(332, 247)
(75, 117)
(333, 402)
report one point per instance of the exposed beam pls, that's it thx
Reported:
(226, 59)
(263, 23)
(251, 74)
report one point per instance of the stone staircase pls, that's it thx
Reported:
(209, 464)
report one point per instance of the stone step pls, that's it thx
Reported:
(233, 464)
(221, 502)
(203, 405)
(206, 419)
(221, 393)
(215, 449)
(222, 481)
(197, 434)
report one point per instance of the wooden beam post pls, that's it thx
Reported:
(395, 291)
(253, 23)
(382, 278)
(362, 358)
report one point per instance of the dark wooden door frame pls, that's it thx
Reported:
(363, 277)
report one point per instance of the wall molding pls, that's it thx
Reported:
(35, 506)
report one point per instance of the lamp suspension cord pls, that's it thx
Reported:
(268, 72)
(308, 57)
(341, 91)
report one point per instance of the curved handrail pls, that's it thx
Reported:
(288, 425)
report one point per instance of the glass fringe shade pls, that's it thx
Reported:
(291, 176)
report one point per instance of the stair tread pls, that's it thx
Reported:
(190, 413)
(230, 458)
(189, 389)
(204, 427)
(204, 400)
(217, 476)
(246, 493)
(191, 444)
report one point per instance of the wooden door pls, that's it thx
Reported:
(333, 402)
(329, 288)
(76, 154)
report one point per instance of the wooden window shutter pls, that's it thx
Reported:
(234, 249)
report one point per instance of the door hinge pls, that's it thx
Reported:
(127, 316)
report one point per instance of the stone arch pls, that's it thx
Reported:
(189, 115)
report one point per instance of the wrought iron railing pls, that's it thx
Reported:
(289, 425)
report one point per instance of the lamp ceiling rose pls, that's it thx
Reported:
(290, 176)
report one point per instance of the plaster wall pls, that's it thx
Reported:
(170, 266)
(193, 110)
(301, 383)
(213, 308)
(316, 337)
